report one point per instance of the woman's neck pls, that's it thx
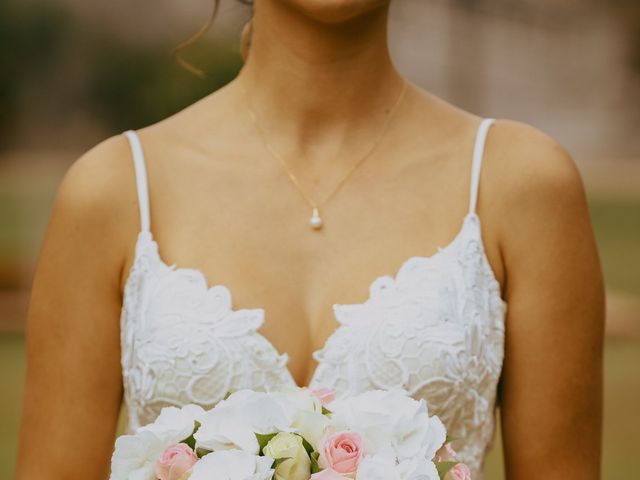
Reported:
(319, 85)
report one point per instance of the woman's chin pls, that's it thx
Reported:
(336, 11)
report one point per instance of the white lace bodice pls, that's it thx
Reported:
(435, 329)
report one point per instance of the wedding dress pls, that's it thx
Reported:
(436, 328)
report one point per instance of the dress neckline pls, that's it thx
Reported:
(470, 217)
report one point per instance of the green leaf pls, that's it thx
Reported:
(315, 468)
(449, 439)
(326, 411)
(263, 440)
(201, 452)
(190, 440)
(444, 467)
(307, 446)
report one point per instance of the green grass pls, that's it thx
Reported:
(617, 227)
(12, 369)
(10, 222)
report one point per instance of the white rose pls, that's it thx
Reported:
(299, 399)
(289, 446)
(175, 424)
(433, 437)
(378, 467)
(418, 469)
(417, 435)
(383, 467)
(306, 410)
(311, 426)
(390, 422)
(232, 465)
(134, 456)
(233, 422)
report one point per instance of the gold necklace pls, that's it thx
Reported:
(316, 220)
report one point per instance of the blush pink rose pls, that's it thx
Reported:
(340, 451)
(324, 394)
(459, 472)
(175, 461)
(327, 474)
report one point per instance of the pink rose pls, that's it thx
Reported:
(340, 451)
(459, 472)
(327, 474)
(324, 394)
(175, 461)
(446, 453)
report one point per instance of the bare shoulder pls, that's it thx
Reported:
(97, 193)
(532, 165)
(99, 170)
(537, 181)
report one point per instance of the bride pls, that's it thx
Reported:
(320, 221)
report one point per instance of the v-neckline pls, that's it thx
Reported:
(173, 268)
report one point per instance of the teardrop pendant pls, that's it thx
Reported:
(315, 221)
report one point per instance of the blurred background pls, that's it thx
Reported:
(73, 72)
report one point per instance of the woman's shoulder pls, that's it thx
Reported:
(537, 192)
(99, 177)
(523, 142)
(96, 194)
(527, 161)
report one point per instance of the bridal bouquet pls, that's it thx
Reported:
(296, 434)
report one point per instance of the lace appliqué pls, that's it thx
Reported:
(437, 330)
(182, 342)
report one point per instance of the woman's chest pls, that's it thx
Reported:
(439, 318)
(297, 283)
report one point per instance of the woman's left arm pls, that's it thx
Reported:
(551, 387)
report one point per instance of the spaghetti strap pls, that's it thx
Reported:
(476, 162)
(141, 179)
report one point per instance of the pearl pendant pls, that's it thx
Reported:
(315, 221)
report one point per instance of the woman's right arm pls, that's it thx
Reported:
(73, 384)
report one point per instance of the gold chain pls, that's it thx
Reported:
(316, 221)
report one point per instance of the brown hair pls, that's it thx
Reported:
(245, 39)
